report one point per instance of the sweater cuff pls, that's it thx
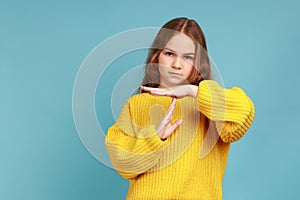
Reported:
(130, 155)
(211, 100)
(220, 104)
(148, 140)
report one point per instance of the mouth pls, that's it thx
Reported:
(175, 73)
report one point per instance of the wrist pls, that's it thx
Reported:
(193, 91)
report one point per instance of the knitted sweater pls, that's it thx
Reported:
(174, 168)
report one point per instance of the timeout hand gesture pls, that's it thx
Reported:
(165, 128)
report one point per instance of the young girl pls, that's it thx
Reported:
(158, 140)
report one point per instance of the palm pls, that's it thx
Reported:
(169, 129)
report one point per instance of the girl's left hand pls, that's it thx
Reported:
(179, 91)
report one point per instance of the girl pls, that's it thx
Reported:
(172, 140)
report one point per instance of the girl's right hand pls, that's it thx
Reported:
(165, 128)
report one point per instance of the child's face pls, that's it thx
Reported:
(176, 61)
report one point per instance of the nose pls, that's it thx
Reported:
(176, 63)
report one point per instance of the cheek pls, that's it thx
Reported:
(162, 60)
(187, 71)
(161, 69)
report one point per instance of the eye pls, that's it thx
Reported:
(190, 58)
(168, 53)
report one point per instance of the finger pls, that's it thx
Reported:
(157, 91)
(169, 115)
(172, 104)
(177, 123)
(173, 100)
(166, 122)
(164, 92)
(146, 88)
(170, 112)
(160, 92)
(149, 89)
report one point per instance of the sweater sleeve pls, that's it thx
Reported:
(231, 109)
(132, 149)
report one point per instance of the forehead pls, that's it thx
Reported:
(181, 43)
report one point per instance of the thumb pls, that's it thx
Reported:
(177, 123)
(171, 128)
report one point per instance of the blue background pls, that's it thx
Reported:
(255, 45)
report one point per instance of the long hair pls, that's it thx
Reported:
(189, 27)
(201, 70)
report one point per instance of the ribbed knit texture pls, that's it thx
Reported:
(172, 169)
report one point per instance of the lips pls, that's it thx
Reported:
(175, 73)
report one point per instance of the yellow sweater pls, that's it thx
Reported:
(174, 168)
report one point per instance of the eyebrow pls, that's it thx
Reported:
(176, 52)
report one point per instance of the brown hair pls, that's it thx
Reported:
(201, 70)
